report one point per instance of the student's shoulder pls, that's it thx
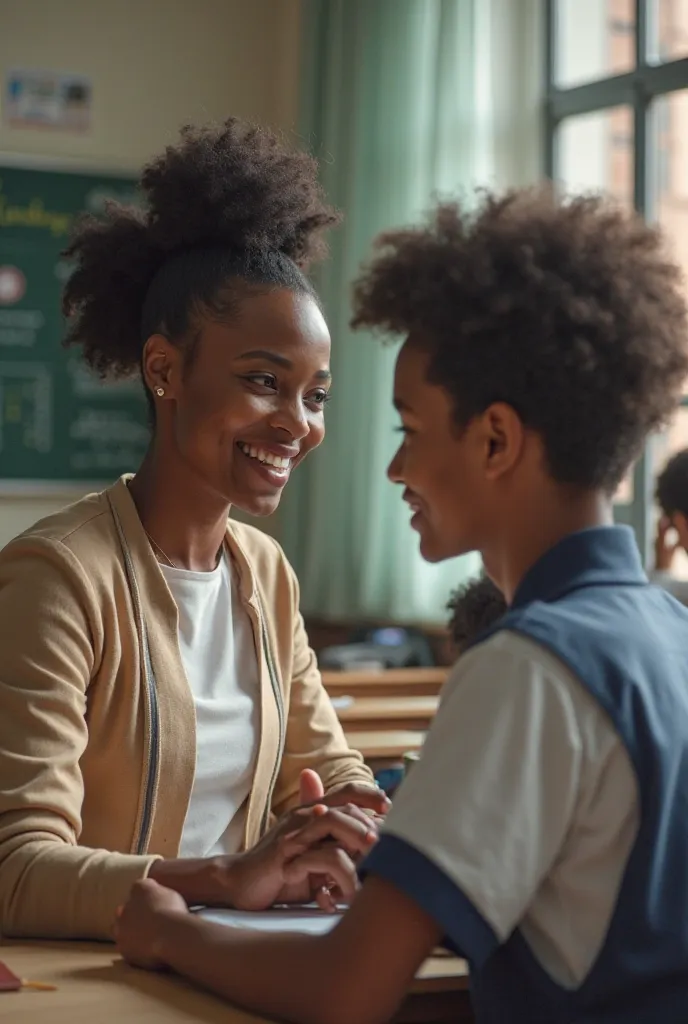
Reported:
(509, 667)
(507, 646)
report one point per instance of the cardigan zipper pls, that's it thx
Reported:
(279, 701)
(143, 836)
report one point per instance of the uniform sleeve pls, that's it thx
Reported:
(49, 886)
(479, 821)
(314, 736)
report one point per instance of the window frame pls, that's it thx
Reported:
(636, 89)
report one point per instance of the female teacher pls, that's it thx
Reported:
(158, 698)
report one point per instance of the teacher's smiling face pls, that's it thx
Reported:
(244, 404)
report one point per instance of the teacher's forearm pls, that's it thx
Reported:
(53, 890)
(200, 882)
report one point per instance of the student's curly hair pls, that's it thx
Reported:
(672, 485)
(227, 211)
(474, 607)
(567, 310)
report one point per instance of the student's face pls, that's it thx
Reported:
(440, 467)
(249, 407)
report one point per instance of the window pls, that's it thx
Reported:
(595, 151)
(594, 39)
(667, 30)
(617, 121)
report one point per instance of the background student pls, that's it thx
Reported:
(475, 607)
(672, 526)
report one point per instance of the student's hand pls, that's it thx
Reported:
(666, 544)
(140, 923)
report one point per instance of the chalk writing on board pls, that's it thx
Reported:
(59, 422)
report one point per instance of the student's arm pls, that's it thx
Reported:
(359, 972)
(474, 830)
(315, 738)
(49, 638)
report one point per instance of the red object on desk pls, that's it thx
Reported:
(8, 982)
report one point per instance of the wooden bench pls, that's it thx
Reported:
(382, 749)
(388, 714)
(397, 682)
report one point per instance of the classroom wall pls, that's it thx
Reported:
(154, 64)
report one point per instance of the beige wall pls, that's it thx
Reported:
(154, 64)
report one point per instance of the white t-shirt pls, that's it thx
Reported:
(219, 657)
(526, 801)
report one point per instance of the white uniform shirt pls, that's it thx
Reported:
(521, 812)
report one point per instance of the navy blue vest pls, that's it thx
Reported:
(588, 601)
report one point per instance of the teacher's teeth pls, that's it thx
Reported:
(278, 461)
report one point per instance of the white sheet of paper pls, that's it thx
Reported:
(308, 920)
(341, 703)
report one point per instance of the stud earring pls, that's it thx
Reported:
(160, 392)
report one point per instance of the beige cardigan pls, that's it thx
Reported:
(97, 725)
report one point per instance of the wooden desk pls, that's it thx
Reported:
(389, 714)
(380, 748)
(398, 682)
(95, 987)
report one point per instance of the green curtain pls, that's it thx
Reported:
(389, 106)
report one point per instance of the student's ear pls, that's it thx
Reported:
(505, 438)
(680, 523)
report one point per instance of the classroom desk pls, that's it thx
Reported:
(381, 749)
(397, 682)
(95, 987)
(391, 714)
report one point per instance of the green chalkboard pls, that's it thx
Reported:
(59, 424)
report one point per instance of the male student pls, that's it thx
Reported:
(672, 527)
(544, 832)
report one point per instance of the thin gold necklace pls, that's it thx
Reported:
(154, 544)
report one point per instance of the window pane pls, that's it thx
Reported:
(663, 447)
(672, 441)
(594, 39)
(595, 153)
(667, 30)
(624, 493)
(669, 171)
